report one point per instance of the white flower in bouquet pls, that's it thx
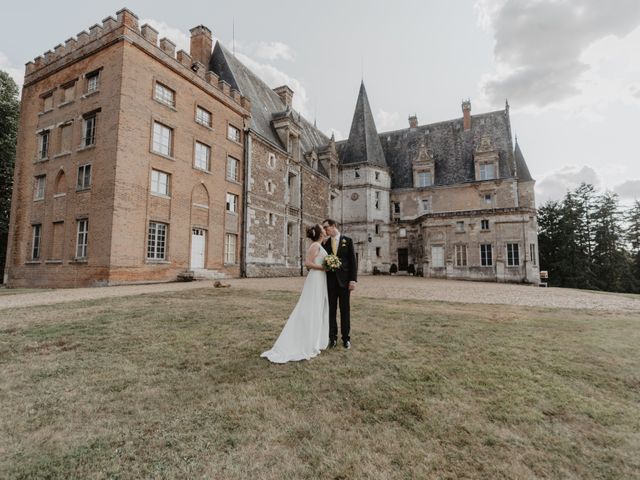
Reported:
(332, 263)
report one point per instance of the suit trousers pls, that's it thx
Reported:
(338, 295)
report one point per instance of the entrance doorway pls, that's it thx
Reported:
(198, 236)
(403, 259)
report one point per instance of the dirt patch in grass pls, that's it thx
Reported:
(172, 386)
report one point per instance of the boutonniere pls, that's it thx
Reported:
(343, 243)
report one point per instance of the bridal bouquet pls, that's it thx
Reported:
(332, 263)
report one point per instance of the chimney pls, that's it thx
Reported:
(285, 94)
(413, 121)
(201, 44)
(466, 114)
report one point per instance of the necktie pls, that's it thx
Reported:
(334, 240)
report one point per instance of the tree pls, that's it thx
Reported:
(609, 259)
(9, 113)
(632, 236)
(549, 225)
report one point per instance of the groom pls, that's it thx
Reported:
(340, 283)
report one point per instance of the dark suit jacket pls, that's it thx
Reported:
(348, 271)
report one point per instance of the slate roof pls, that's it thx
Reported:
(521, 166)
(363, 145)
(264, 101)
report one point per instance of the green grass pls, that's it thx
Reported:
(172, 386)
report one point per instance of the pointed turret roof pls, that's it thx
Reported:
(363, 145)
(522, 171)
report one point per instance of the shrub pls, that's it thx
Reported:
(411, 270)
(394, 268)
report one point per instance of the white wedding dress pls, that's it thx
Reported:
(307, 330)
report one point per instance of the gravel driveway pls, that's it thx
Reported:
(392, 287)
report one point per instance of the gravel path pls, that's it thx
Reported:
(396, 287)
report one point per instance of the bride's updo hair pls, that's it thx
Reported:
(314, 232)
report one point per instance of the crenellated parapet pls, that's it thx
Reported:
(125, 27)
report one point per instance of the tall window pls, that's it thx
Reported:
(486, 255)
(425, 205)
(203, 117)
(84, 177)
(160, 182)
(356, 173)
(35, 245)
(164, 94)
(233, 133)
(377, 228)
(377, 176)
(484, 224)
(459, 226)
(378, 249)
(461, 255)
(437, 256)
(68, 93)
(43, 145)
(487, 171)
(157, 241)
(230, 241)
(89, 130)
(162, 139)
(65, 137)
(513, 254)
(271, 160)
(232, 169)
(532, 253)
(378, 200)
(202, 153)
(39, 187)
(47, 103)
(396, 207)
(82, 238)
(92, 81)
(232, 203)
(488, 199)
(424, 179)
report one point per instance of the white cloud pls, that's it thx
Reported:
(177, 36)
(338, 134)
(387, 120)
(629, 190)
(555, 185)
(274, 51)
(574, 56)
(16, 73)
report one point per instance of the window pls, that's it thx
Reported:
(233, 133)
(425, 205)
(488, 199)
(271, 219)
(39, 186)
(513, 254)
(396, 207)
(402, 232)
(230, 248)
(271, 160)
(84, 177)
(92, 81)
(424, 179)
(487, 171)
(162, 139)
(233, 169)
(437, 257)
(377, 176)
(68, 93)
(459, 227)
(377, 228)
(356, 173)
(232, 203)
(157, 241)
(378, 251)
(82, 238)
(378, 200)
(47, 102)
(164, 95)
(203, 117)
(484, 224)
(35, 245)
(159, 182)
(89, 130)
(289, 229)
(532, 253)
(270, 187)
(43, 145)
(203, 154)
(65, 137)
(486, 257)
(461, 255)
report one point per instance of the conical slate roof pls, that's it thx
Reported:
(363, 145)
(522, 171)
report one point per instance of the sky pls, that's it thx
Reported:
(569, 69)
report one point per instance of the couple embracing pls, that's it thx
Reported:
(312, 325)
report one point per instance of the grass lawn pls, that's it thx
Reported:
(172, 386)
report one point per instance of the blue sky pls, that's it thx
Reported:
(569, 68)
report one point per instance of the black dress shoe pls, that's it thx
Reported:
(332, 344)
(347, 344)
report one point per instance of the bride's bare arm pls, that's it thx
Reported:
(312, 253)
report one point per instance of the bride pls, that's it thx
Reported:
(307, 330)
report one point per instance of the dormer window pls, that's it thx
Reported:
(487, 171)
(425, 179)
